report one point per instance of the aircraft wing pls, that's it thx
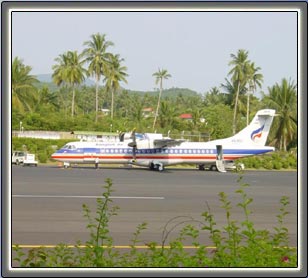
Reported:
(163, 143)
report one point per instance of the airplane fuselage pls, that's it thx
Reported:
(121, 153)
(156, 152)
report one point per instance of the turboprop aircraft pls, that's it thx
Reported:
(154, 151)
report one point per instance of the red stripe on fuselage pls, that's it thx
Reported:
(142, 157)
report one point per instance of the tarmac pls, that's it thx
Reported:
(47, 202)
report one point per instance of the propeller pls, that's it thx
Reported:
(133, 144)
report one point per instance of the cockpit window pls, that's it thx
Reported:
(69, 147)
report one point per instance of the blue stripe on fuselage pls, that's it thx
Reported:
(172, 151)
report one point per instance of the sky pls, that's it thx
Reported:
(194, 47)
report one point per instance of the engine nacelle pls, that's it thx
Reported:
(145, 144)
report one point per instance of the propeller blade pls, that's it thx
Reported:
(134, 153)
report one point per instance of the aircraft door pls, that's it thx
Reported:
(220, 159)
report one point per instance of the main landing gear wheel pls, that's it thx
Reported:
(213, 168)
(160, 168)
(156, 166)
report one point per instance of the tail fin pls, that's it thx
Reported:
(257, 131)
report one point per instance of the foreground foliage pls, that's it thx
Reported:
(235, 245)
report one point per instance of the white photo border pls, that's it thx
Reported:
(6, 57)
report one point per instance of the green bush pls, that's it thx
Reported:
(257, 164)
(285, 164)
(277, 165)
(292, 162)
(42, 157)
(268, 165)
(235, 245)
(275, 160)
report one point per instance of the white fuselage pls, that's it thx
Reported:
(120, 152)
(153, 150)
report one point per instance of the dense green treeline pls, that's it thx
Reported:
(68, 104)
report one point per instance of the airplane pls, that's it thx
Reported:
(155, 151)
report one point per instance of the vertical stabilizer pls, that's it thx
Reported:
(257, 131)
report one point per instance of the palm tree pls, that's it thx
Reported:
(69, 70)
(214, 96)
(114, 74)
(47, 99)
(168, 115)
(22, 85)
(255, 80)
(97, 56)
(160, 75)
(283, 98)
(231, 88)
(240, 64)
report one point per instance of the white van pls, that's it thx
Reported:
(18, 157)
(30, 160)
(23, 158)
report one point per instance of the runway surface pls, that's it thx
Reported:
(47, 202)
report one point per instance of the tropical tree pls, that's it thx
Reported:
(254, 80)
(240, 64)
(168, 116)
(58, 77)
(231, 88)
(283, 98)
(219, 120)
(46, 101)
(197, 115)
(98, 58)
(114, 74)
(136, 112)
(159, 75)
(23, 86)
(69, 70)
(215, 96)
(59, 69)
(63, 99)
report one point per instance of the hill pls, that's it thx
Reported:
(168, 93)
(46, 80)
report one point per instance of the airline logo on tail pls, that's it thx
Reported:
(256, 134)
